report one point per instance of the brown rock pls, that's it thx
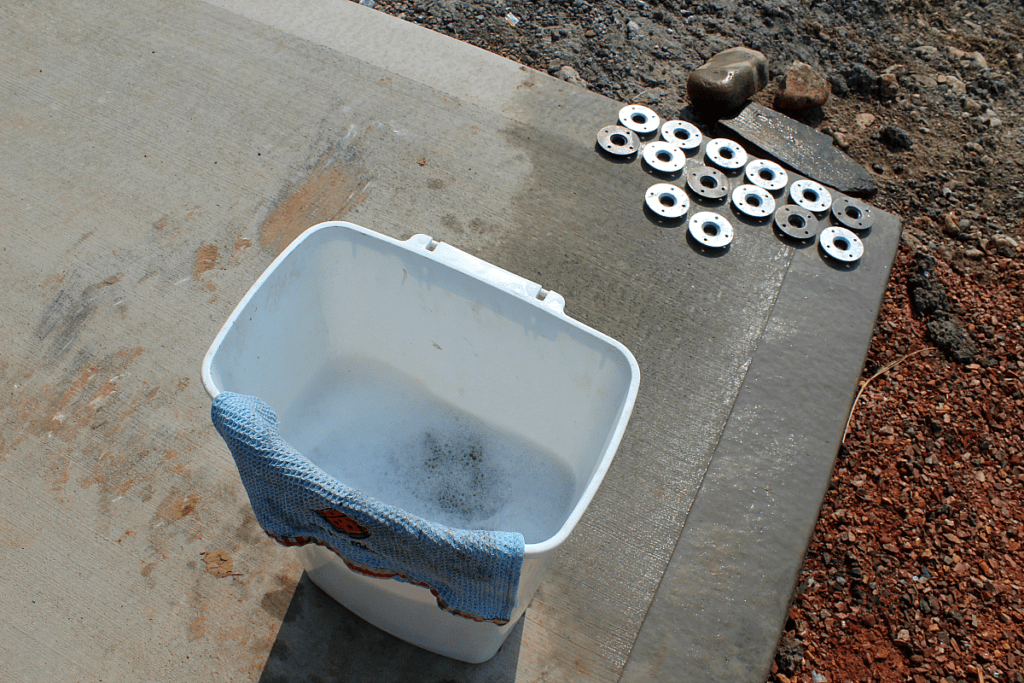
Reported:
(841, 141)
(802, 88)
(888, 86)
(728, 79)
(570, 75)
(864, 120)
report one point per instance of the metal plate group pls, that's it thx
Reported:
(760, 198)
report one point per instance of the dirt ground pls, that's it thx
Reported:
(914, 571)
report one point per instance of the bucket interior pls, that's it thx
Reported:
(427, 388)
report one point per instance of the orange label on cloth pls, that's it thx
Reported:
(344, 523)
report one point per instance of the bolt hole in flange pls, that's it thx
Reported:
(796, 223)
(707, 183)
(767, 174)
(810, 195)
(618, 141)
(753, 201)
(664, 157)
(683, 134)
(667, 200)
(852, 214)
(725, 154)
(639, 119)
(711, 230)
(841, 244)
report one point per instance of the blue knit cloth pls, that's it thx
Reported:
(474, 574)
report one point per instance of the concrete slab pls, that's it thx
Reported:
(158, 157)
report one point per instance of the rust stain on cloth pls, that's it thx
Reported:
(333, 187)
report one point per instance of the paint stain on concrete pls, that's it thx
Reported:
(81, 400)
(275, 602)
(177, 507)
(161, 223)
(219, 563)
(206, 259)
(68, 312)
(332, 187)
(197, 629)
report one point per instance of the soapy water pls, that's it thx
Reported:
(383, 434)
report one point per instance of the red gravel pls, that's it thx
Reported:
(914, 572)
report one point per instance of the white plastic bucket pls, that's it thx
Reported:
(349, 333)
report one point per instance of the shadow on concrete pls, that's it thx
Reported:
(615, 158)
(322, 642)
(661, 221)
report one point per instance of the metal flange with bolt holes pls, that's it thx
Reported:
(810, 195)
(707, 182)
(726, 154)
(852, 214)
(639, 119)
(841, 244)
(682, 133)
(753, 201)
(618, 140)
(795, 222)
(667, 200)
(711, 229)
(664, 156)
(767, 174)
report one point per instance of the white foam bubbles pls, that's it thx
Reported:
(382, 433)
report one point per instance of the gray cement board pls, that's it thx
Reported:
(157, 158)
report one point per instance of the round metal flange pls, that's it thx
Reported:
(795, 222)
(664, 156)
(852, 214)
(841, 244)
(682, 133)
(810, 195)
(725, 153)
(618, 140)
(639, 118)
(710, 229)
(667, 200)
(753, 201)
(707, 182)
(767, 174)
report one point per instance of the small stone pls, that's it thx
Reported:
(926, 51)
(802, 88)
(860, 79)
(862, 121)
(974, 147)
(728, 79)
(955, 84)
(903, 636)
(973, 254)
(570, 75)
(888, 86)
(1004, 241)
(632, 30)
(970, 106)
(840, 140)
(922, 81)
(949, 225)
(977, 61)
(895, 138)
(590, 33)
(877, 168)
(993, 121)
(955, 53)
